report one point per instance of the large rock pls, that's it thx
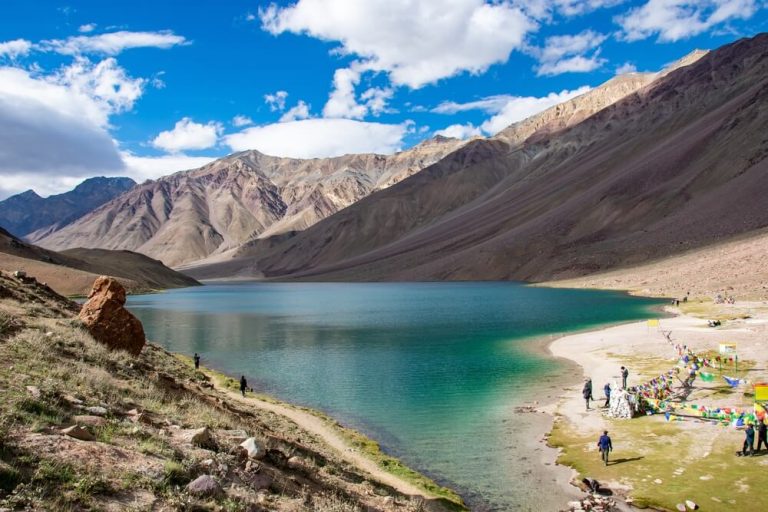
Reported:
(204, 485)
(78, 432)
(107, 319)
(203, 438)
(253, 448)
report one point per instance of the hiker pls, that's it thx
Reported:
(607, 391)
(243, 384)
(749, 441)
(762, 435)
(197, 361)
(624, 375)
(605, 446)
(586, 392)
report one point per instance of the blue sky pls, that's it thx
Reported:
(150, 87)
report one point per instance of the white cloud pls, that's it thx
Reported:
(490, 104)
(578, 7)
(318, 138)
(522, 107)
(416, 43)
(276, 101)
(113, 42)
(342, 101)
(566, 53)
(14, 49)
(187, 134)
(300, 111)
(88, 27)
(460, 131)
(673, 20)
(142, 168)
(240, 120)
(627, 67)
(376, 99)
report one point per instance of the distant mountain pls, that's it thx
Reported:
(73, 272)
(678, 163)
(27, 212)
(192, 215)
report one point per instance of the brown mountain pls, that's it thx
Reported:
(679, 163)
(27, 212)
(192, 215)
(73, 272)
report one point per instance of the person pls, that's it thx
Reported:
(586, 392)
(197, 361)
(749, 441)
(604, 445)
(762, 435)
(607, 391)
(624, 375)
(243, 384)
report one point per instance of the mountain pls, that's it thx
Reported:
(27, 212)
(677, 164)
(192, 215)
(73, 272)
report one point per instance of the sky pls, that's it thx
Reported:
(147, 88)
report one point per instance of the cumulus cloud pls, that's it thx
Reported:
(87, 28)
(300, 111)
(319, 138)
(113, 43)
(14, 49)
(568, 53)
(673, 20)
(142, 168)
(276, 101)
(187, 134)
(342, 101)
(460, 131)
(578, 7)
(241, 120)
(490, 104)
(627, 67)
(416, 43)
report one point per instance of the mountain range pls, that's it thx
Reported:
(646, 166)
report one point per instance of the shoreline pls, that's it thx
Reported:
(641, 442)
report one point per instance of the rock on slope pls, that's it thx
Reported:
(27, 212)
(678, 164)
(190, 215)
(72, 272)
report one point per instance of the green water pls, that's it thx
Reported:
(431, 370)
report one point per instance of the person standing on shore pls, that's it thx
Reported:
(607, 391)
(243, 384)
(604, 445)
(586, 392)
(197, 361)
(762, 435)
(749, 441)
(624, 375)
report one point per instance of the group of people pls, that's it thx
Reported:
(586, 391)
(749, 441)
(243, 381)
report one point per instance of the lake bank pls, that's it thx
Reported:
(662, 463)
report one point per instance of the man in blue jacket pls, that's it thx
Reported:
(605, 446)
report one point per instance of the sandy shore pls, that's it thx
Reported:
(650, 452)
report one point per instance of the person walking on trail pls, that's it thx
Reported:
(607, 391)
(604, 445)
(624, 375)
(762, 435)
(243, 384)
(586, 392)
(197, 361)
(749, 441)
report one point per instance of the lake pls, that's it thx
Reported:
(433, 371)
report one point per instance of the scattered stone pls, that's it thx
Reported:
(295, 463)
(231, 437)
(97, 410)
(259, 481)
(78, 432)
(680, 507)
(254, 450)
(204, 485)
(19, 274)
(72, 400)
(657, 481)
(203, 438)
(108, 321)
(93, 421)
(34, 391)
(691, 505)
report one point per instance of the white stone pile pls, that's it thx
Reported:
(622, 404)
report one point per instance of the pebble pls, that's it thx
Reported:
(657, 481)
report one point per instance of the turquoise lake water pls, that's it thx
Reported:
(432, 371)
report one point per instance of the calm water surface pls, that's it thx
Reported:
(431, 370)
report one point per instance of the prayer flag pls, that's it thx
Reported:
(761, 391)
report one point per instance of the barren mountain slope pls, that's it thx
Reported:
(73, 272)
(27, 212)
(193, 214)
(677, 165)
